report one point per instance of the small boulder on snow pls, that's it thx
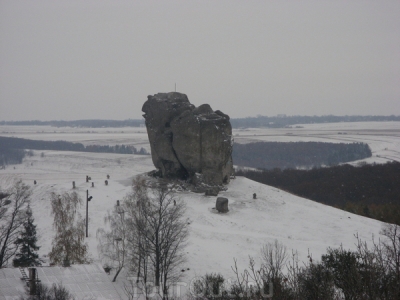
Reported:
(222, 205)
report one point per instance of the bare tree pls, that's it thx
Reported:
(68, 242)
(12, 218)
(274, 258)
(390, 254)
(112, 243)
(158, 233)
(138, 243)
(266, 280)
(4, 201)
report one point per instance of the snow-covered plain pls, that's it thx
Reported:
(215, 239)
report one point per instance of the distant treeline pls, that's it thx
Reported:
(269, 155)
(252, 122)
(283, 120)
(11, 149)
(370, 190)
(79, 123)
(10, 156)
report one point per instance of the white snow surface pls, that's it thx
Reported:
(215, 239)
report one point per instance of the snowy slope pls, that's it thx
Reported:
(215, 239)
(298, 223)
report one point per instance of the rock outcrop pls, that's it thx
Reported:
(187, 141)
(212, 191)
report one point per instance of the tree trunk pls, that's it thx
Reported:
(116, 274)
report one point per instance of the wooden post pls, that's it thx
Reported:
(87, 211)
(32, 281)
(73, 184)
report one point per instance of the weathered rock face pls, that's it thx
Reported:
(186, 140)
(213, 191)
(159, 110)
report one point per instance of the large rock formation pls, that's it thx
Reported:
(186, 140)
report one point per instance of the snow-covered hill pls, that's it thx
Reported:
(215, 239)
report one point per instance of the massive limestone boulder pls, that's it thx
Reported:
(160, 110)
(202, 142)
(186, 140)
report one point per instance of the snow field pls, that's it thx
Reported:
(215, 239)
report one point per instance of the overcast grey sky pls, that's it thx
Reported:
(97, 59)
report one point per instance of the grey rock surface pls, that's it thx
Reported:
(159, 110)
(186, 140)
(222, 205)
(212, 191)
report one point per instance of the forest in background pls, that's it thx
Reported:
(369, 190)
(283, 120)
(12, 150)
(10, 156)
(270, 155)
(78, 123)
(249, 122)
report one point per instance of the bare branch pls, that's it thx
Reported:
(12, 218)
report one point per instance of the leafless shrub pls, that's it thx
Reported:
(113, 243)
(274, 258)
(389, 255)
(56, 292)
(263, 281)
